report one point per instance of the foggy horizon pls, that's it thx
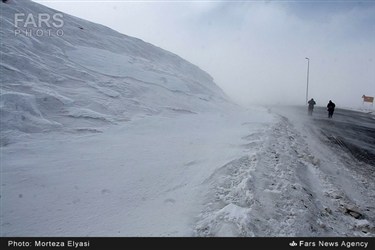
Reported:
(256, 50)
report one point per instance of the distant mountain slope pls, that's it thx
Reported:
(68, 73)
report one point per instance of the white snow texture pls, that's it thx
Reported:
(103, 134)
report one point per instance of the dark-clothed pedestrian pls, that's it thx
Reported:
(330, 108)
(311, 106)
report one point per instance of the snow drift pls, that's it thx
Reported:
(173, 165)
(82, 75)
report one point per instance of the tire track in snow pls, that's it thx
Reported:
(276, 190)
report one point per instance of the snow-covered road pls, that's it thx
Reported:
(251, 173)
(294, 184)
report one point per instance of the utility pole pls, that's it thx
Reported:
(307, 86)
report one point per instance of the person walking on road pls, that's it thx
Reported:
(311, 106)
(330, 108)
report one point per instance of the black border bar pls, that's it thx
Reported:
(188, 243)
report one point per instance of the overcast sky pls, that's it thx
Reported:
(256, 50)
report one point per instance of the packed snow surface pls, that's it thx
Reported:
(255, 172)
